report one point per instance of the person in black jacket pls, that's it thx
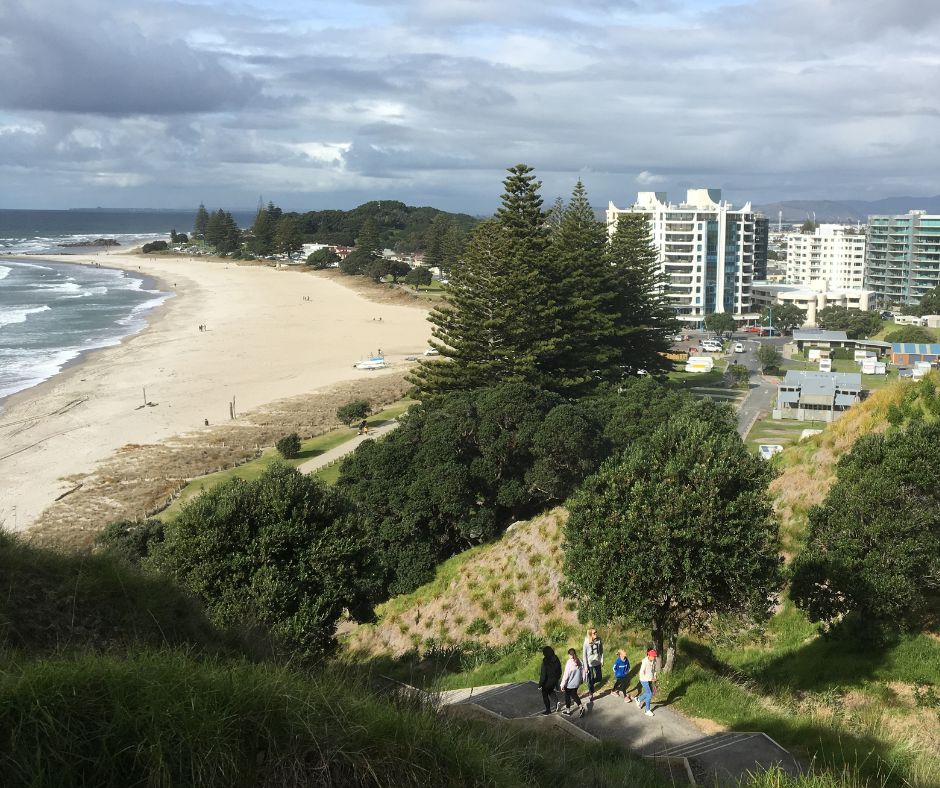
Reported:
(549, 676)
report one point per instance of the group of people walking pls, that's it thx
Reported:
(589, 667)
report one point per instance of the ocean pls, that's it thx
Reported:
(35, 232)
(51, 313)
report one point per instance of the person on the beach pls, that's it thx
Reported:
(622, 674)
(647, 678)
(549, 676)
(571, 680)
(593, 654)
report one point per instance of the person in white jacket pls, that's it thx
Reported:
(647, 677)
(571, 679)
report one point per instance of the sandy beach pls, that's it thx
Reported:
(264, 341)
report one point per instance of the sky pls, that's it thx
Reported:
(318, 104)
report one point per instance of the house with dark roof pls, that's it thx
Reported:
(817, 396)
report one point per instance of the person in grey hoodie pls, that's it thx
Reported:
(593, 655)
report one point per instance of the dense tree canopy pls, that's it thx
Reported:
(287, 237)
(222, 232)
(678, 530)
(322, 258)
(463, 466)
(929, 304)
(281, 553)
(783, 317)
(401, 227)
(856, 323)
(200, 223)
(873, 549)
(562, 311)
(720, 322)
(914, 334)
(418, 277)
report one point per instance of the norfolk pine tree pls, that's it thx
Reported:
(500, 322)
(585, 344)
(678, 530)
(202, 219)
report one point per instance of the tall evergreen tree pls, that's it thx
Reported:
(288, 239)
(644, 315)
(452, 246)
(434, 242)
(585, 341)
(554, 214)
(264, 229)
(500, 322)
(215, 227)
(368, 240)
(202, 219)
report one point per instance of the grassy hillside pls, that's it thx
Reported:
(864, 715)
(109, 677)
(807, 469)
(490, 594)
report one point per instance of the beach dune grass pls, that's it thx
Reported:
(309, 449)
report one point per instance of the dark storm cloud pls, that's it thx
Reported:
(78, 59)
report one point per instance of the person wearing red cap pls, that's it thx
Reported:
(647, 677)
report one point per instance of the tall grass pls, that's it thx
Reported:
(162, 719)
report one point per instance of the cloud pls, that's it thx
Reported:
(429, 101)
(81, 60)
(647, 178)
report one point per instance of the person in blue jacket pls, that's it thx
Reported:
(622, 674)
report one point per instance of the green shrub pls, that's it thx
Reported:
(842, 354)
(356, 410)
(289, 446)
(155, 246)
(132, 540)
(282, 553)
(478, 626)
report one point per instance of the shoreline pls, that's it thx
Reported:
(152, 314)
(270, 336)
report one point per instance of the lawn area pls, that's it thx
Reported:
(782, 431)
(681, 379)
(310, 448)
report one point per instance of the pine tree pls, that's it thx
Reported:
(553, 216)
(368, 240)
(215, 228)
(586, 307)
(434, 243)
(644, 315)
(452, 246)
(202, 219)
(264, 229)
(288, 238)
(500, 321)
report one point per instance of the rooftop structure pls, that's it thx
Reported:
(708, 250)
(817, 396)
(810, 298)
(903, 353)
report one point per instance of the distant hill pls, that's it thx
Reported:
(846, 210)
(401, 227)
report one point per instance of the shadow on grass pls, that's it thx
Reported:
(827, 662)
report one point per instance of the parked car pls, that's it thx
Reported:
(431, 352)
(769, 332)
(738, 347)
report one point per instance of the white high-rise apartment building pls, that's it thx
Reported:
(833, 253)
(707, 250)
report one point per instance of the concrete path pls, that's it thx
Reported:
(724, 758)
(348, 447)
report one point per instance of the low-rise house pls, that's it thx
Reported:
(805, 338)
(906, 354)
(817, 396)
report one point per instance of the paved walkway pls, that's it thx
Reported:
(724, 757)
(348, 447)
